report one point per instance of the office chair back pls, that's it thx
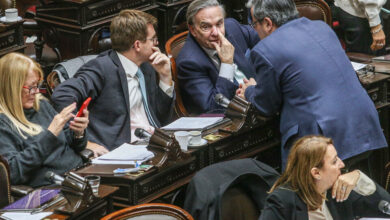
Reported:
(150, 211)
(173, 47)
(314, 10)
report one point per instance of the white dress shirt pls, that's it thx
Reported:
(138, 118)
(368, 9)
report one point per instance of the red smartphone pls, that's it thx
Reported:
(85, 104)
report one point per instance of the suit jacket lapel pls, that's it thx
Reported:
(196, 46)
(301, 209)
(122, 77)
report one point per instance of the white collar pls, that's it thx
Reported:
(129, 66)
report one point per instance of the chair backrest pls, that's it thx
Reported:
(173, 47)
(5, 184)
(65, 70)
(150, 211)
(242, 184)
(314, 10)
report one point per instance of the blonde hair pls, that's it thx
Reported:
(306, 153)
(129, 26)
(14, 68)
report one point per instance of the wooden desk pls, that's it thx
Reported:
(97, 210)
(157, 183)
(11, 37)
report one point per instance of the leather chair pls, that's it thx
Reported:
(173, 47)
(5, 184)
(314, 10)
(65, 70)
(150, 211)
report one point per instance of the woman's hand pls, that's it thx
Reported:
(97, 149)
(344, 185)
(378, 38)
(79, 124)
(59, 121)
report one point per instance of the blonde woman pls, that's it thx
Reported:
(34, 138)
(312, 187)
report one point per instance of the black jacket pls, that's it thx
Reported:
(206, 189)
(285, 204)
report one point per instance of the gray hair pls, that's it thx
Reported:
(279, 11)
(198, 5)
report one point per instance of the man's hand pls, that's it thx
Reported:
(97, 149)
(162, 65)
(242, 87)
(378, 38)
(225, 49)
(344, 185)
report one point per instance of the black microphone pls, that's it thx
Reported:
(55, 178)
(384, 207)
(141, 133)
(221, 100)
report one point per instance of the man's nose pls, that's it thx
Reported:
(214, 30)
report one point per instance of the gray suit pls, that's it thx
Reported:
(104, 80)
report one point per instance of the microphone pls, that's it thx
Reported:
(141, 133)
(384, 207)
(221, 100)
(55, 178)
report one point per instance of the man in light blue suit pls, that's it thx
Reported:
(213, 59)
(303, 73)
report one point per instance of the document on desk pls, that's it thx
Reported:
(358, 66)
(24, 215)
(193, 123)
(125, 154)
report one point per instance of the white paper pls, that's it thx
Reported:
(25, 215)
(125, 154)
(192, 123)
(358, 66)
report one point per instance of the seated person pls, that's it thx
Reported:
(35, 139)
(214, 58)
(131, 85)
(312, 186)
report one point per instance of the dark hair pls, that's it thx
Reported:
(279, 11)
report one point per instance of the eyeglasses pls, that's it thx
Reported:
(32, 89)
(154, 39)
(253, 24)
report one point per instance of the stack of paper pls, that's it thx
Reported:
(125, 154)
(193, 123)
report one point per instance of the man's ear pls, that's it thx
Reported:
(269, 25)
(191, 28)
(136, 45)
(315, 173)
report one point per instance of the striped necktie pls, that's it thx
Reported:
(141, 81)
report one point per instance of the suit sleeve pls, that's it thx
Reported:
(367, 206)
(266, 96)
(195, 80)
(251, 36)
(87, 82)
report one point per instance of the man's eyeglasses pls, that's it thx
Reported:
(253, 24)
(35, 89)
(154, 39)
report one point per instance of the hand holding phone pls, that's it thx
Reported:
(85, 105)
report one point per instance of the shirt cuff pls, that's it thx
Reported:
(374, 21)
(167, 88)
(365, 186)
(227, 71)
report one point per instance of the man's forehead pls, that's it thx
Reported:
(209, 14)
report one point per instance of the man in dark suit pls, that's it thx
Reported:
(303, 73)
(123, 84)
(213, 59)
